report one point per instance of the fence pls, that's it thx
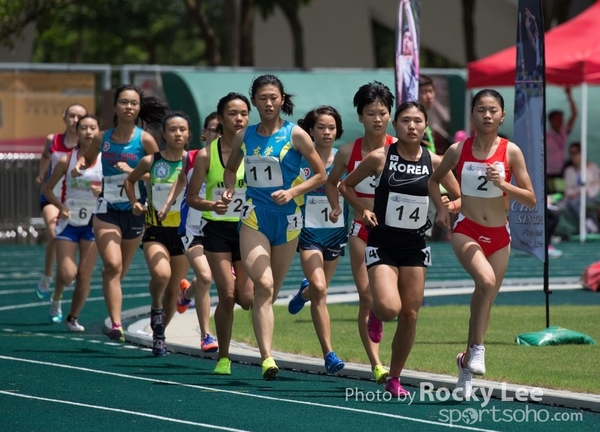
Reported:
(20, 220)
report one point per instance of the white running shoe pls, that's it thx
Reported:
(464, 384)
(476, 363)
(55, 314)
(74, 326)
(43, 288)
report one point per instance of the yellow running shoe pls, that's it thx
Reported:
(380, 374)
(269, 369)
(223, 367)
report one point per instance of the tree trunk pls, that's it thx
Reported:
(246, 45)
(229, 46)
(468, 7)
(290, 9)
(196, 9)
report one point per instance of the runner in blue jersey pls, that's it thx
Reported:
(271, 218)
(116, 228)
(322, 241)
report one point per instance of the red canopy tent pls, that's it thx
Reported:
(572, 58)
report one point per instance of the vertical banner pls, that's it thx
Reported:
(527, 226)
(407, 51)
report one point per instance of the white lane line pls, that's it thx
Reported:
(231, 392)
(122, 411)
(45, 303)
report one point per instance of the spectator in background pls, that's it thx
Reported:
(556, 142)
(427, 99)
(572, 176)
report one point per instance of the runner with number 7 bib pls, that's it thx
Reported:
(397, 255)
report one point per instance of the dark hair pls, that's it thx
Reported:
(228, 98)
(85, 117)
(264, 80)
(487, 92)
(310, 118)
(212, 116)
(554, 113)
(425, 80)
(173, 114)
(410, 104)
(152, 109)
(73, 105)
(373, 92)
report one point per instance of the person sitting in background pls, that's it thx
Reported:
(572, 201)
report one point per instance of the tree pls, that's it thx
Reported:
(197, 10)
(291, 11)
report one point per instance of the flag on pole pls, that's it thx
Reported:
(527, 226)
(407, 51)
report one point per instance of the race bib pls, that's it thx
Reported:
(81, 211)
(371, 255)
(427, 252)
(316, 213)
(406, 211)
(235, 206)
(263, 172)
(114, 191)
(160, 193)
(101, 206)
(294, 221)
(368, 185)
(474, 183)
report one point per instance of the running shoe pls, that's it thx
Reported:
(157, 321)
(380, 374)
(269, 369)
(223, 367)
(43, 287)
(183, 303)
(73, 325)
(374, 328)
(476, 362)
(394, 387)
(297, 302)
(333, 363)
(55, 315)
(117, 333)
(159, 346)
(209, 344)
(464, 384)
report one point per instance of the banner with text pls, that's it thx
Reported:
(527, 226)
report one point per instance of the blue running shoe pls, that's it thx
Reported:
(333, 363)
(209, 344)
(297, 302)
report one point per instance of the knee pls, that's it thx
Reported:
(263, 287)
(317, 293)
(204, 277)
(385, 313)
(485, 284)
(112, 268)
(408, 317)
(227, 299)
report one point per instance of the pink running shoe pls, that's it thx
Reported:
(394, 387)
(374, 328)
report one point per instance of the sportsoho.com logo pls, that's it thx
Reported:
(470, 416)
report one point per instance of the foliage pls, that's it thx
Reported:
(105, 31)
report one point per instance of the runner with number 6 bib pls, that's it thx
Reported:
(76, 200)
(396, 255)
